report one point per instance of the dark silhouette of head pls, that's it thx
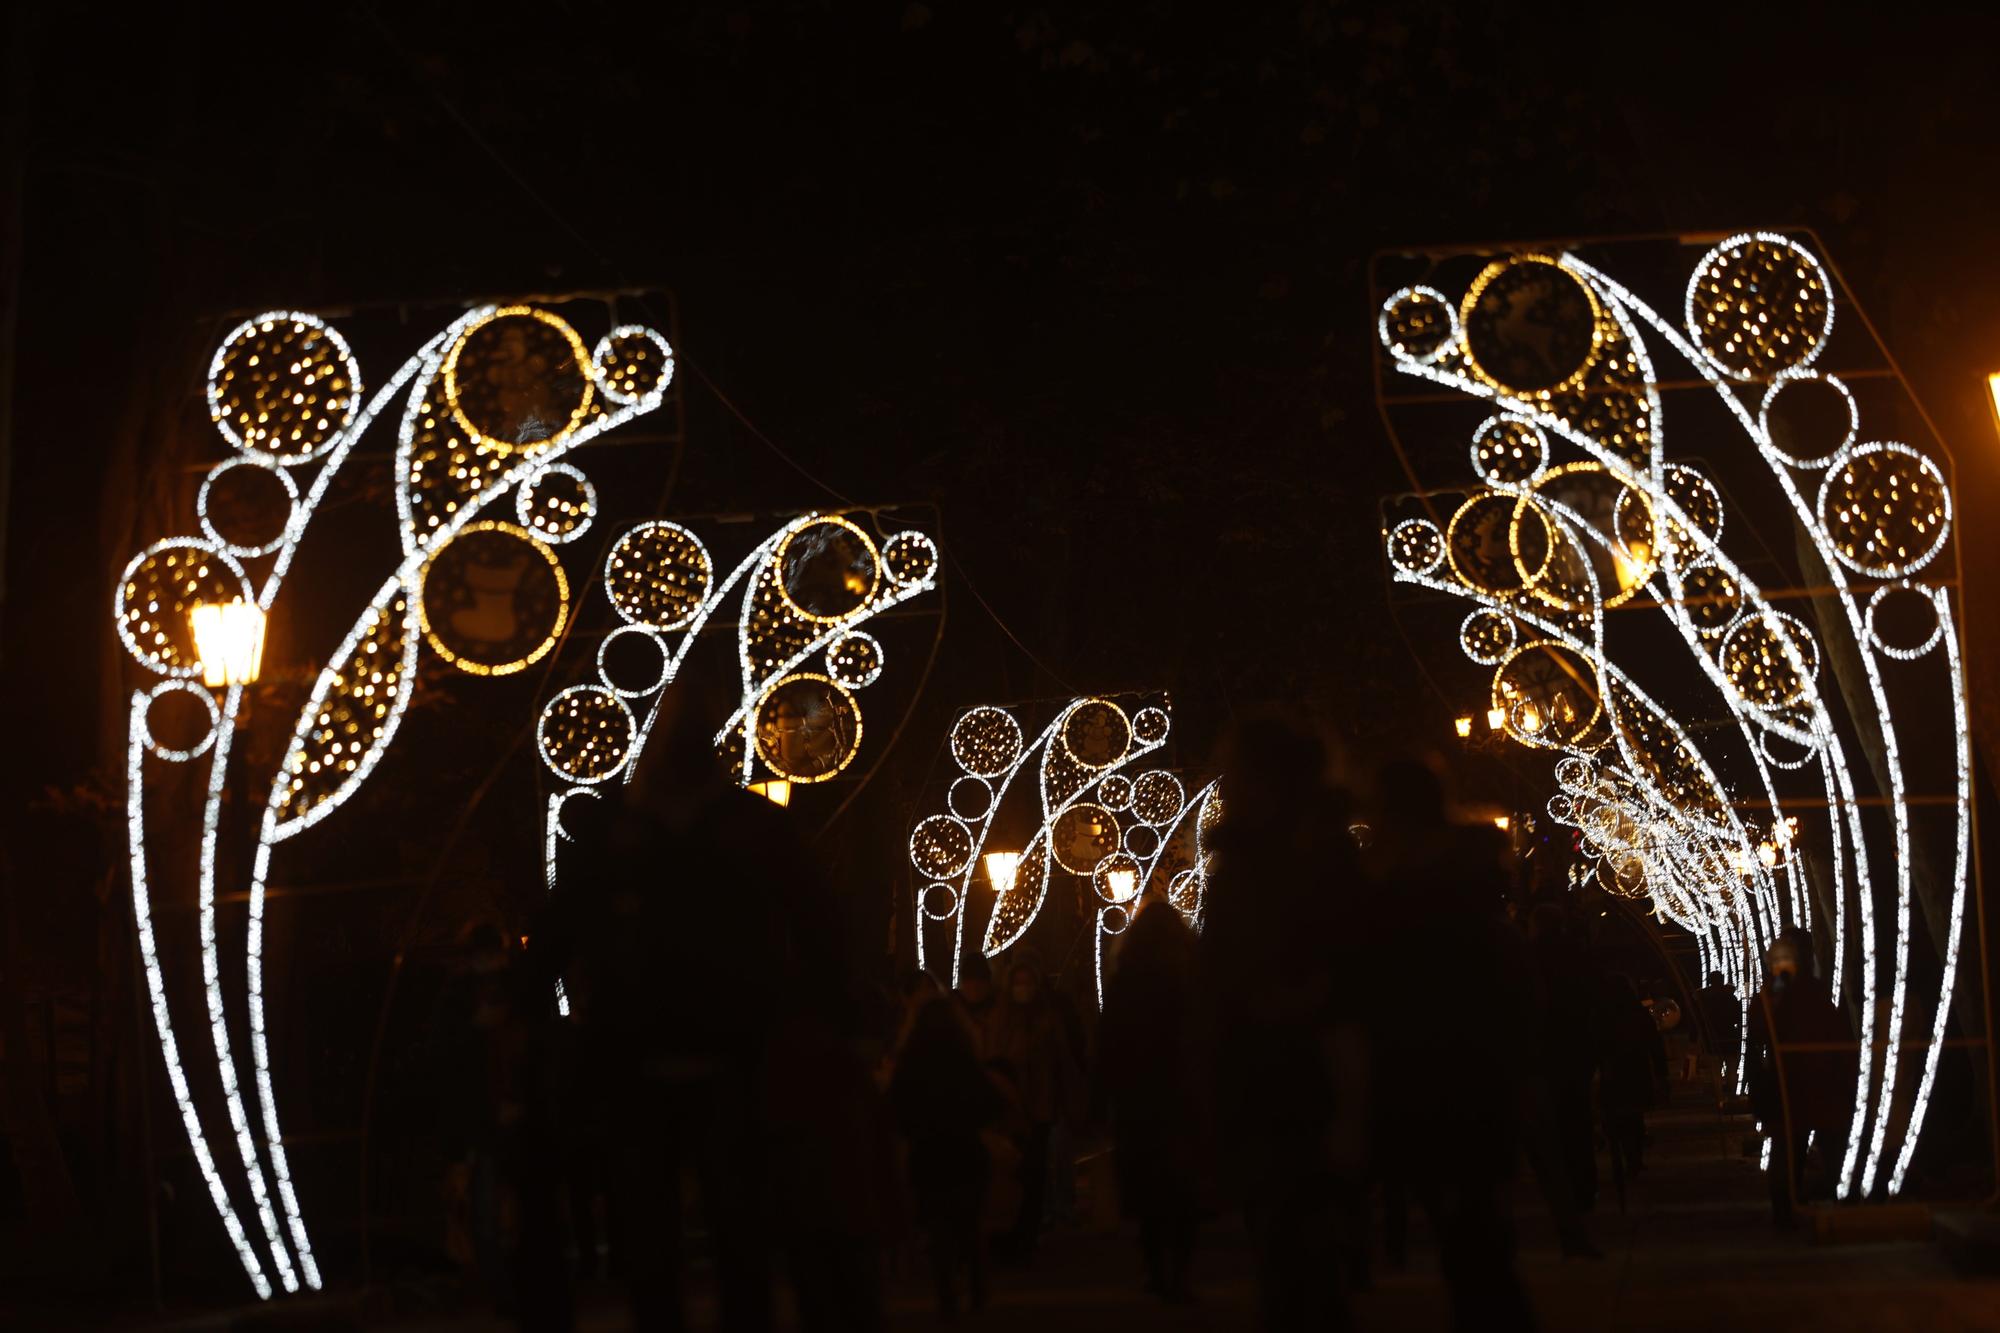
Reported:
(1274, 772)
(1717, 979)
(1410, 795)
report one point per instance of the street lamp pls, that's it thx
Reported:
(1993, 387)
(1000, 868)
(1496, 718)
(229, 639)
(1122, 882)
(1464, 726)
(778, 791)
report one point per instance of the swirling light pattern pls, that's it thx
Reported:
(1559, 352)
(1103, 815)
(488, 406)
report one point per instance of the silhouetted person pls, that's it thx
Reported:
(943, 1100)
(1290, 1063)
(975, 991)
(1450, 975)
(1798, 1091)
(1153, 1066)
(1632, 1074)
(1026, 1032)
(691, 932)
(1722, 1020)
(1559, 1129)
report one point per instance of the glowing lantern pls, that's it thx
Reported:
(1496, 718)
(1000, 868)
(778, 791)
(1123, 883)
(1464, 726)
(229, 638)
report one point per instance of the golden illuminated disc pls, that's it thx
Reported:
(1531, 326)
(1096, 733)
(1549, 693)
(494, 599)
(808, 727)
(519, 378)
(1082, 836)
(986, 741)
(827, 569)
(283, 387)
(658, 574)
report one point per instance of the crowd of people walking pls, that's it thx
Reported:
(1317, 1060)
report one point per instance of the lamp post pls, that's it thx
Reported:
(1000, 868)
(229, 638)
(778, 791)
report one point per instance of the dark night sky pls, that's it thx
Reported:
(1094, 281)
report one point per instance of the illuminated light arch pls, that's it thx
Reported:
(1759, 312)
(1091, 784)
(285, 392)
(660, 580)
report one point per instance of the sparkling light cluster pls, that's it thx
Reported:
(1101, 819)
(1545, 552)
(488, 405)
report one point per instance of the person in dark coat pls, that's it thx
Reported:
(943, 1099)
(681, 885)
(1722, 1021)
(1802, 1063)
(1025, 1033)
(1632, 1073)
(1152, 1073)
(1448, 972)
(1279, 965)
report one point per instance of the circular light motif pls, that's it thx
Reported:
(494, 599)
(970, 798)
(1758, 306)
(618, 655)
(1711, 599)
(1482, 539)
(658, 574)
(197, 748)
(854, 659)
(1416, 546)
(910, 558)
(986, 741)
(557, 503)
(282, 387)
(1114, 919)
(1116, 877)
(585, 733)
(1509, 451)
(1418, 324)
(940, 902)
(941, 847)
(1082, 836)
(1549, 694)
(808, 728)
(1115, 792)
(214, 510)
(634, 365)
(826, 569)
(518, 378)
(1532, 327)
(1487, 636)
(1769, 659)
(1157, 797)
(1807, 419)
(158, 589)
(1151, 725)
(1886, 509)
(1911, 606)
(1096, 733)
(1143, 841)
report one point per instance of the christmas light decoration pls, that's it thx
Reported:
(1101, 818)
(1545, 550)
(488, 406)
